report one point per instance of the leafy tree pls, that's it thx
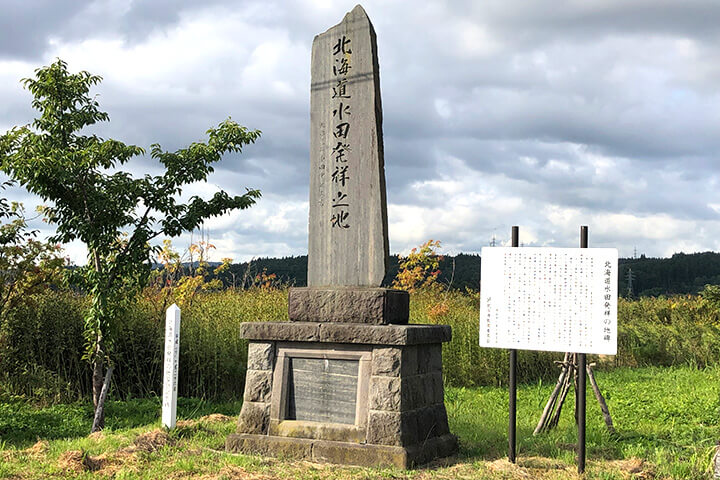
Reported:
(27, 265)
(93, 200)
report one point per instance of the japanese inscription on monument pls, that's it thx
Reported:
(348, 242)
(554, 299)
(346, 380)
(322, 390)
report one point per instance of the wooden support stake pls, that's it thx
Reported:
(601, 400)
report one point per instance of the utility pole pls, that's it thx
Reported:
(630, 278)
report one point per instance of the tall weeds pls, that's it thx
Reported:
(41, 346)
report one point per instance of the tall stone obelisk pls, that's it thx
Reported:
(348, 237)
(348, 233)
(346, 380)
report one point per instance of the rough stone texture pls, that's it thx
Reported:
(427, 358)
(435, 387)
(319, 431)
(385, 393)
(258, 384)
(363, 455)
(386, 361)
(354, 252)
(418, 390)
(409, 427)
(434, 358)
(280, 331)
(427, 423)
(441, 419)
(343, 452)
(349, 305)
(384, 428)
(284, 447)
(261, 355)
(408, 394)
(436, 447)
(345, 333)
(409, 361)
(254, 418)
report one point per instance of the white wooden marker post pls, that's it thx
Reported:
(170, 369)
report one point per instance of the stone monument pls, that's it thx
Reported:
(347, 380)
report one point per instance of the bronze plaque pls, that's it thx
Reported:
(322, 390)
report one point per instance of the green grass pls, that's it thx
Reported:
(669, 417)
(667, 421)
(21, 424)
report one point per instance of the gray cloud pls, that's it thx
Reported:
(495, 113)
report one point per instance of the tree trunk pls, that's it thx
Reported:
(97, 379)
(98, 383)
(99, 419)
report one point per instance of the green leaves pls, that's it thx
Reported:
(63, 101)
(115, 215)
(27, 266)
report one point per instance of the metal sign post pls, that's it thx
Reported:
(581, 383)
(512, 385)
(550, 299)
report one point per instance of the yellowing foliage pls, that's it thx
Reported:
(267, 281)
(420, 269)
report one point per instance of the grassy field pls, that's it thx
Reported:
(667, 421)
(42, 345)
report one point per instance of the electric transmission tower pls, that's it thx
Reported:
(630, 278)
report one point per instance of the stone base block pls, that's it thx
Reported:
(343, 452)
(345, 393)
(380, 306)
(345, 333)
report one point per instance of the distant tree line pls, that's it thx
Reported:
(679, 274)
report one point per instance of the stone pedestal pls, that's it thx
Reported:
(356, 394)
(374, 305)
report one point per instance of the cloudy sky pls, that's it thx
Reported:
(543, 113)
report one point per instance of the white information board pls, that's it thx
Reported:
(171, 364)
(554, 299)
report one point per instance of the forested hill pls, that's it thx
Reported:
(681, 273)
(293, 271)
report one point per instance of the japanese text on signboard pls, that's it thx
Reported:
(555, 299)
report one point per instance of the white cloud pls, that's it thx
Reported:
(496, 113)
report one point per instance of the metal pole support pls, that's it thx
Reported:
(581, 383)
(512, 384)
